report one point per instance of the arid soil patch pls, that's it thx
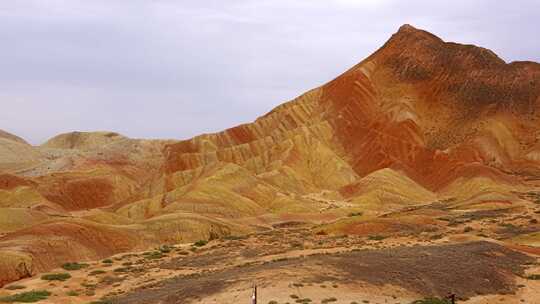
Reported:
(470, 269)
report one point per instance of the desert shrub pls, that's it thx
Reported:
(129, 255)
(296, 245)
(272, 302)
(328, 300)
(88, 285)
(72, 293)
(107, 261)
(56, 276)
(353, 214)
(234, 237)
(467, 229)
(293, 296)
(15, 287)
(507, 225)
(154, 255)
(101, 302)
(436, 236)
(534, 277)
(200, 243)
(74, 266)
(96, 272)
(27, 297)
(305, 300)
(431, 301)
(376, 237)
(165, 249)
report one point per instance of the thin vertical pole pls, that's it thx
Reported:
(254, 295)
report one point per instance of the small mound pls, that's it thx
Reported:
(80, 194)
(82, 140)
(51, 244)
(15, 155)
(12, 219)
(9, 136)
(8, 182)
(385, 189)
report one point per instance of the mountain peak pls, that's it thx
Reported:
(409, 34)
(407, 28)
(415, 49)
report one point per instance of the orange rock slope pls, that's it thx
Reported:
(409, 124)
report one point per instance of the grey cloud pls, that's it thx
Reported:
(174, 69)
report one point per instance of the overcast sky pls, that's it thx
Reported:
(175, 69)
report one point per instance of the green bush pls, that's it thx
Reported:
(101, 302)
(96, 272)
(56, 276)
(85, 284)
(27, 297)
(153, 255)
(234, 237)
(74, 266)
(165, 249)
(431, 301)
(200, 243)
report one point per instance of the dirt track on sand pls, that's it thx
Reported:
(468, 269)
